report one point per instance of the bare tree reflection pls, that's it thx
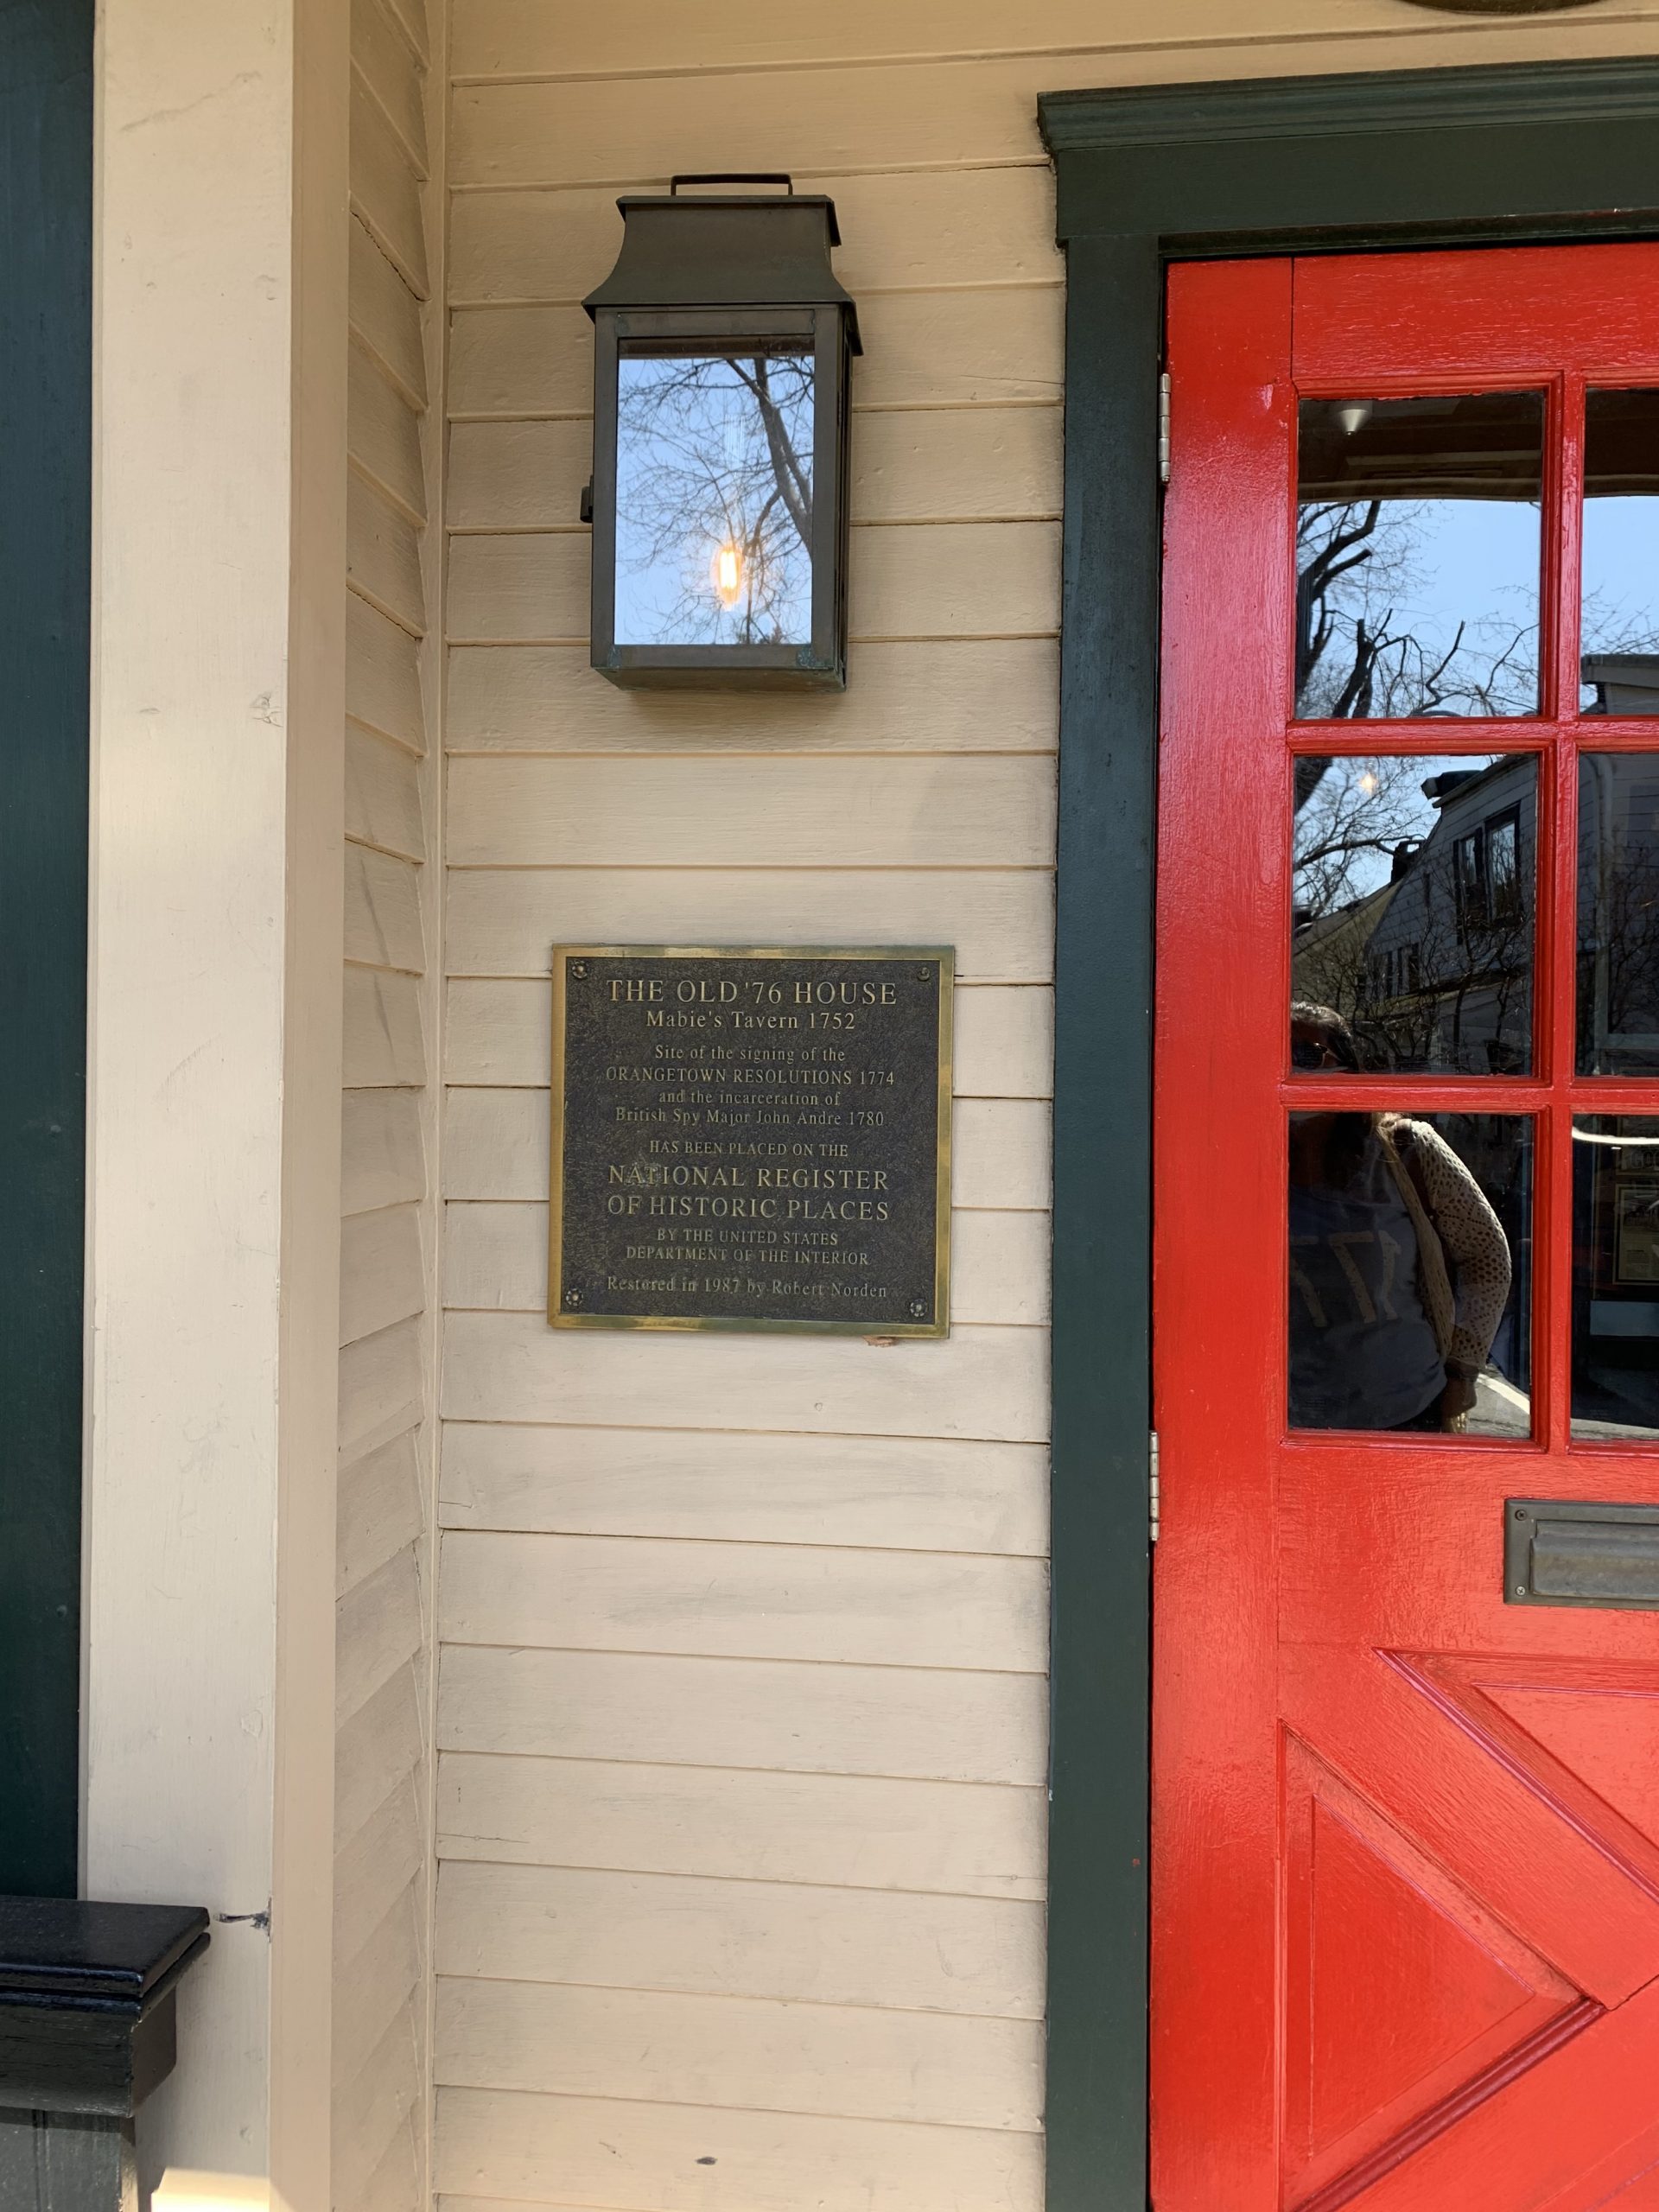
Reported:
(1359, 656)
(715, 497)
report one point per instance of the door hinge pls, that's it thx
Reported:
(1163, 427)
(1152, 1500)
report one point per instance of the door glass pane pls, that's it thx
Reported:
(1418, 538)
(1618, 647)
(714, 497)
(1410, 1268)
(1618, 914)
(1412, 906)
(1616, 1276)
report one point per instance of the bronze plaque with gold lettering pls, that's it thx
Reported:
(751, 1139)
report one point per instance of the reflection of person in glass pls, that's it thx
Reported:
(1399, 1267)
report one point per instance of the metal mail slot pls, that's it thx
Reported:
(1562, 1552)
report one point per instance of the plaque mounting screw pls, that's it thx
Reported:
(579, 970)
(572, 1297)
(923, 975)
(919, 1309)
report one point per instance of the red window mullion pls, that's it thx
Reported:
(1556, 995)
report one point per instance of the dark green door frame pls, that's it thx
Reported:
(1509, 154)
(46, 358)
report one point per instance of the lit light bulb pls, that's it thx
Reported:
(1368, 782)
(727, 568)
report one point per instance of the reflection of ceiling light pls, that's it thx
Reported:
(1353, 417)
(1634, 1144)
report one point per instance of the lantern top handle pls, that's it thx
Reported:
(732, 177)
(732, 248)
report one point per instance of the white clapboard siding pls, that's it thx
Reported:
(382, 1161)
(383, 796)
(511, 38)
(385, 191)
(506, 921)
(379, 1627)
(381, 1273)
(411, 18)
(957, 580)
(495, 1146)
(396, 2184)
(795, 1718)
(813, 1944)
(384, 927)
(750, 2054)
(383, 431)
(495, 1260)
(761, 1601)
(508, 361)
(382, 1039)
(920, 230)
(383, 1664)
(386, 316)
(924, 465)
(921, 349)
(383, 553)
(378, 1510)
(909, 811)
(904, 1493)
(373, 2110)
(382, 1388)
(373, 1867)
(963, 112)
(373, 1988)
(382, 680)
(1001, 1153)
(855, 1831)
(979, 1382)
(976, 694)
(381, 1743)
(635, 2157)
(382, 58)
(501, 1033)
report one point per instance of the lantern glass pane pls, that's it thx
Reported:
(714, 496)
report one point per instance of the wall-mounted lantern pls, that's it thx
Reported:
(719, 498)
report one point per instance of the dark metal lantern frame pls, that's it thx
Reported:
(728, 271)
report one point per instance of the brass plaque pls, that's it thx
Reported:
(750, 1139)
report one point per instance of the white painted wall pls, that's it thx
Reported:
(742, 1712)
(214, 1054)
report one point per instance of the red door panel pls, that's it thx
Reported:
(1405, 1834)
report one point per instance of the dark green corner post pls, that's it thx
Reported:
(46, 187)
(1096, 2114)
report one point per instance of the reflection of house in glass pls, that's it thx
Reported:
(1620, 683)
(1433, 968)
(1619, 914)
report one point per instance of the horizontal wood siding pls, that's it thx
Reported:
(383, 1756)
(741, 1714)
(743, 1702)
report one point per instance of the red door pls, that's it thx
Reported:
(1405, 1764)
